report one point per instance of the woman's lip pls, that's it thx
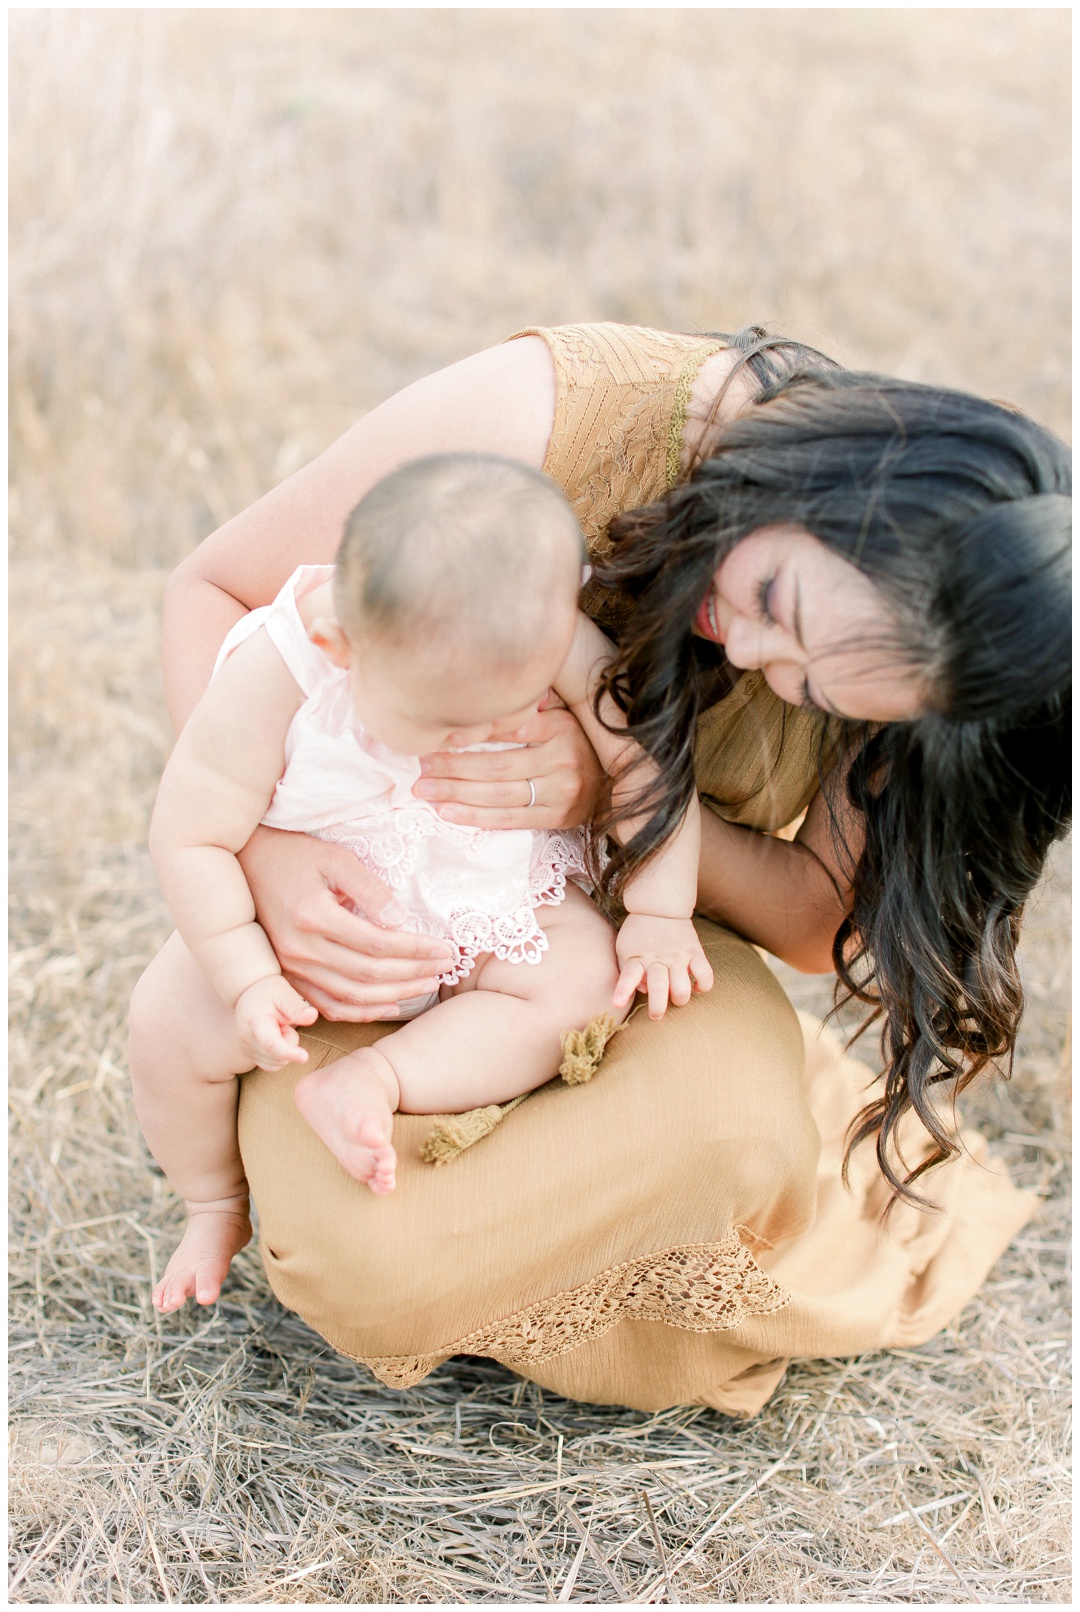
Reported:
(705, 620)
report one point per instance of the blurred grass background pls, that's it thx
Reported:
(231, 233)
(234, 231)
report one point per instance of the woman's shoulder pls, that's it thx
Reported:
(604, 352)
(622, 396)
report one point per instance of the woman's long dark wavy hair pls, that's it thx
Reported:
(959, 511)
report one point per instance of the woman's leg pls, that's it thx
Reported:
(498, 1035)
(693, 1127)
(184, 1058)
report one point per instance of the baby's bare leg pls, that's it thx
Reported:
(497, 1036)
(184, 1058)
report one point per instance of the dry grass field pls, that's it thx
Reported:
(233, 232)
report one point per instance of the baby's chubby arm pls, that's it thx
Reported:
(215, 789)
(657, 946)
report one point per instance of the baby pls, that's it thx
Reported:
(450, 615)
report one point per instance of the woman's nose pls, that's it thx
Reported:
(743, 642)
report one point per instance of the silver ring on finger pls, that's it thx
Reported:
(532, 793)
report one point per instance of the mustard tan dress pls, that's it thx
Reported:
(675, 1231)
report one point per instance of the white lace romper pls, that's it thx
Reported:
(476, 888)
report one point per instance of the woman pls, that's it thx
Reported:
(882, 573)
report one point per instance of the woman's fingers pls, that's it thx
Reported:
(364, 914)
(346, 974)
(340, 1010)
(345, 984)
(310, 894)
(487, 789)
(326, 916)
(347, 876)
(380, 954)
(514, 794)
(480, 766)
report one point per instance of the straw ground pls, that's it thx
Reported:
(232, 233)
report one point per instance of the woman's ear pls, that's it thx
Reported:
(328, 636)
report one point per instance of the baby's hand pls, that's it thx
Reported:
(665, 954)
(265, 1015)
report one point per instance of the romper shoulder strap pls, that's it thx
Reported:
(286, 631)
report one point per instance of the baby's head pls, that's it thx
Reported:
(456, 595)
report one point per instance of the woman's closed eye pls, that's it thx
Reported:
(764, 593)
(806, 702)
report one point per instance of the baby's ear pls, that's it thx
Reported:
(328, 636)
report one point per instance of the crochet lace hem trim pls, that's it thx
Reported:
(389, 850)
(701, 1287)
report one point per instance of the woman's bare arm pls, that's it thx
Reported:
(499, 401)
(789, 896)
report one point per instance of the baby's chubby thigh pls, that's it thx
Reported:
(184, 1056)
(575, 978)
(179, 1026)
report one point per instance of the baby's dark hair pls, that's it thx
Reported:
(468, 550)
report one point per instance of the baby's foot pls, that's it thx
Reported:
(348, 1106)
(199, 1266)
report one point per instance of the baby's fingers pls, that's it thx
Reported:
(701, 969)
(275, 1047)
(681, 989)
(292, 1006)
(658, 987)
(626, 986)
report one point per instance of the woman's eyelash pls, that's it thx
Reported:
(764, 590)
(806, 702)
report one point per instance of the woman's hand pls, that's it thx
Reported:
(350, 964)
(490, 789)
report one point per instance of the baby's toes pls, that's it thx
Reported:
(384, 1171)
(209, 1275)
(172, 1292)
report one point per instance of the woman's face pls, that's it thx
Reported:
(818, 629)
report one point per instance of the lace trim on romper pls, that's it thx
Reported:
(703, 1287)
(515, 937)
